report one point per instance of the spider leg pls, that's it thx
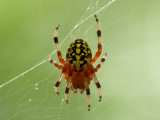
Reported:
(58, 82)
(98, 86)
(98, 53)
(68, 74)
(100, 63)
(86, 83)
(67, 89)
(57, 46)
(55, 63)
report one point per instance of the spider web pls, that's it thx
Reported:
(82, 20)
(35, 99)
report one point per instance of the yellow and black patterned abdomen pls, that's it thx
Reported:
(79, 53)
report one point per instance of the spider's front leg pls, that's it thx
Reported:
(98, 53)
(57, 46)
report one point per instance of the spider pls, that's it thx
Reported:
(78, 67)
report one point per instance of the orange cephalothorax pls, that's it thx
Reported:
(78, 80)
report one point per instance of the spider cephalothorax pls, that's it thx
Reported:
(78, 68)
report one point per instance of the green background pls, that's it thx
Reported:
(130, 76)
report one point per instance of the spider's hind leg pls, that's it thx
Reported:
(55, 63)
(67, 88)
(100, 63)
(69, 71)
(65, 69)
(86, 83)
(98, 86)
(58, 83)
(91, 69)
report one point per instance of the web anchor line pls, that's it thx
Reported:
(11, 80)
(82, 21)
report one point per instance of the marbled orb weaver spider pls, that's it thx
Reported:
(78, 68)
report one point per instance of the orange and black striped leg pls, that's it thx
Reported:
(86, 83)
(100, 63)
(58, 82)
(88, 98)
(66, 94)
(67, 89)
(98, 86)
(57, 46)
(55, 63)
(98, 53)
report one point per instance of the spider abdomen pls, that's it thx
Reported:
(79, 53)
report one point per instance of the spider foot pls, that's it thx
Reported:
(57, 27)
(49, 59)
(67, 101)
(89, 107)
(56, 89)
(100, 98)
(96, 18)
